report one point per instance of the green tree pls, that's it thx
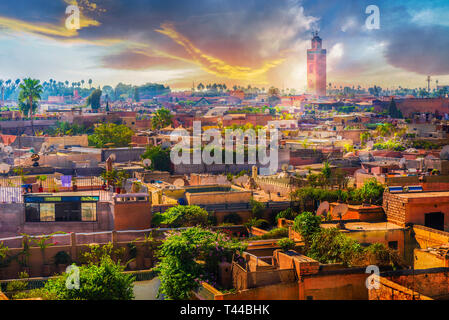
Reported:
(191, 256)
(393, 111)
(160, 158)
(326, 173)
(371, 192)
(364, 138)
(385, 129)
(136, 94)
(29, 96)
(288, 214)
(307, 224)
(329, 245)
(117, 134)
(286, 244)
(94, 100)
(182, 216)
(161, 119)
(103, 281)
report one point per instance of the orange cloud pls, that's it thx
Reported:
(215, 65)
(47, 29)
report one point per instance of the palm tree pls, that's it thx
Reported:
(30, 94)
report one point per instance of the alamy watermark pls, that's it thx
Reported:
(262, 147)
(373, 20)
(373, 281)
(73, 278)
(72, 22)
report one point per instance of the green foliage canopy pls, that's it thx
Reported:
(117, 134)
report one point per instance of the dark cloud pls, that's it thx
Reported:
(424, 50)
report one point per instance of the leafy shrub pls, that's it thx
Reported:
(180, 270)
(34, 294)
(286, 244)
(257, 223)
(105, 281)
(331, 246)
(16, 285)
(257, 208)
(307, 224)
(132, 250)
(371, 192)
(288, 214)
(182, 216)
(95, 253)
(380, 255)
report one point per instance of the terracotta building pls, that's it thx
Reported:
(430, 209)
(316, 67)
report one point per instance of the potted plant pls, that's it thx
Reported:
(62, 260)
(41, 179)
(74, 186)
(121, 177)
(136, 186)
(109, 177)
(132, 252)
(286, 244)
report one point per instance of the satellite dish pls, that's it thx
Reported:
(323, 209)
(147, 162)
(112, 157)
(2, 146)
(290, 168)
(339, 212)
(444, 154)
(8, 149)
(45, 147)
(4, 167)
(179, 183)
(402, 163)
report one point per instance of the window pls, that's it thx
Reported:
(88, 211)
(60, 210)
(32, 212)
(47, 212)
(68, 211)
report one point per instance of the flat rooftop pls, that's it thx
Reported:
(364, 226)
(420, 195)
(92, 193)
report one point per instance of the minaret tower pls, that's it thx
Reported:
(316, 67)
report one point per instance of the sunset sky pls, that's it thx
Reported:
(258, 42)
